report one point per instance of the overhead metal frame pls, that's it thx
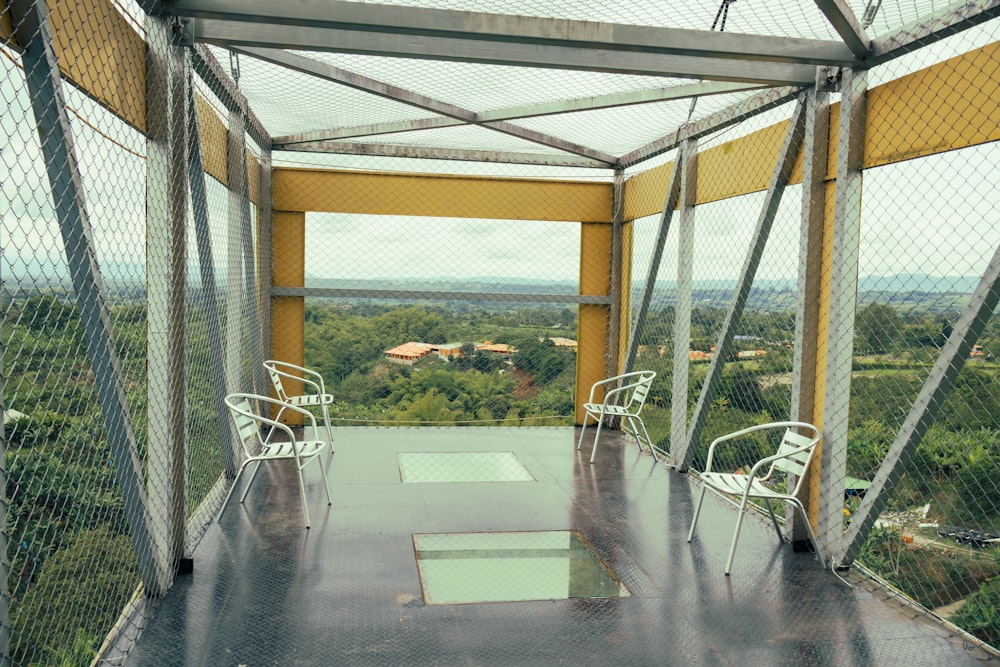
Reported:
(740, 61)
(464, 116)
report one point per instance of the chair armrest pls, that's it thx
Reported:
(317, 387)
(752, 429)
(282, 406)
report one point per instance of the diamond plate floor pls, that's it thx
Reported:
(267, 592)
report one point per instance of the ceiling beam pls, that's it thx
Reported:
(231, 35)
(382, 89)
(951, 20)
(627, 98)
(429, 153)
(843, 20)
(712, 123)
(426, 25)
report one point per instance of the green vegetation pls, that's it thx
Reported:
(534, 386)
(72, 563)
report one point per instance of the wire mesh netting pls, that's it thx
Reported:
(145, 276)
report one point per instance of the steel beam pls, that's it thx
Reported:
(44, 85)
(611, 100)
(803, 406)
(208, 68)
(687, 162)
(748, 108)
(499, 297)
(618, 281)
(649, 286)
(951, 20)
(242, 218)
(360, 82)
(939, 383)
(264, 253)
(490, 52)
(769, 209)
(429, 153)
(426, 26)
(843, 20)
(166, 285)
(843, 303)
(209, 288)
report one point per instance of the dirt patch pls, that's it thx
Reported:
(525, 390)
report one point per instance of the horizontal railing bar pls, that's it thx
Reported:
(504, 297)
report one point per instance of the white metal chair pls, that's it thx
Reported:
(314, 390)
(791, 461)
(256, 449)
(624, 399)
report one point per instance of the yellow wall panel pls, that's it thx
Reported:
(739, 166)
(6, 27)
(953, 104)
(214, 140)
(100, 53)
(253, 178)
(288, 250)
(443, 196)
(646, 193)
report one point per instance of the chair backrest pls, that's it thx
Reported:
(275, 375)
(640, 391)
(794, 462)
(247, 428)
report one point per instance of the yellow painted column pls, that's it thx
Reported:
(594, 319)
(288, 242)
(822, 343)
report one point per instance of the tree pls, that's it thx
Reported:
(876, 328)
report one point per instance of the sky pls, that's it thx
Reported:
(937, 215)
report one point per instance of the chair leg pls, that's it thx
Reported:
(329, 431)
(774, 520)
(302, 495)
(697, 511)
(812, 535)
(583, 429)
(649, 441)
(736, 536)
(597, 436)
(253, 476)
(232, 488)
(326, 482)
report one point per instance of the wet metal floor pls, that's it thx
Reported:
(349, 592)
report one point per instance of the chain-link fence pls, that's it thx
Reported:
(138, 249)
(95, 425)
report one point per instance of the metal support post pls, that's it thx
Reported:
(782, 172)
(209, 288)
(688, 163)
(939, 383)
(44, 83)
(241, 217)
(166, 284)
(843, 301)
(669, 204)
(264, 261)
(804, 350)
(618, 281)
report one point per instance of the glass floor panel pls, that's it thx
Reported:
(507, 567)
(462, 467)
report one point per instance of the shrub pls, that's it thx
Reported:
(80, 593)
